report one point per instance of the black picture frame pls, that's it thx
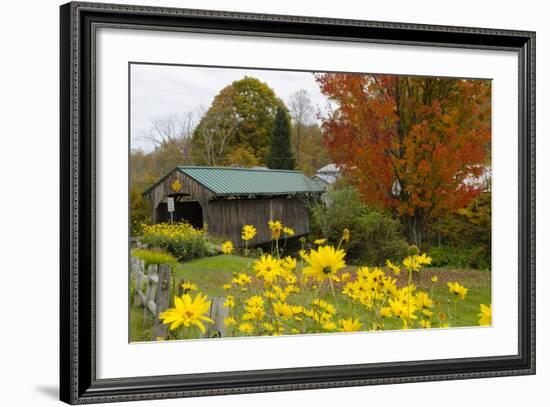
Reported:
(78, 382)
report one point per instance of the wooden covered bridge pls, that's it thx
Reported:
(226, 198)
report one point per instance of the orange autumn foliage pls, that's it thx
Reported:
(409, 143)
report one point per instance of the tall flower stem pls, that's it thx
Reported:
(454, 313)
(333, 294)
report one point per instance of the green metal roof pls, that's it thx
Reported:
(225, 181)
(245, 181)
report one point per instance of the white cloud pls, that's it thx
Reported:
(160, 90)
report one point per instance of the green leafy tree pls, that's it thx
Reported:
(313, 153)
(241, 157)
(281, 156)
(462, 238)
(241, 116)
(140, 211)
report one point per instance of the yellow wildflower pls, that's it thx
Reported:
(323, 306)
(254, 301)
(268, 268)
(385, 312)
(423, 300)
(276, 228)
(246, 327)
(424, 323)
(349, 325)
(415, 262)
(427, 313)
(227, 247)
(379, 326)
(279, 293)
(404, 305)
(282, 310)
(324, 262)
(241, 280)
(227, 287)
(248, 233)
(485, 314)
(359, 290)
(319, 241)
(187, 286)
(434, 279)
(297, 310)
(230, 321)
(329, 326)
(289, 263)
(254, 308)
(289, 276)
(288, 231)
(457, 289)
(187, 311)
(268, 326)
(345, 235)
(270, 294)
(411, 264)
(393, 267)
(423, 259)
(345, 277)
(229, 302)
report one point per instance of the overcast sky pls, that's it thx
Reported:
(159, 90)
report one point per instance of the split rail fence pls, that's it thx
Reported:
(153, 292)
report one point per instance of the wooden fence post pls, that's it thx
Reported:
(152, 279)
(156, 298)
(217, 313)
(162, 300)
(137, 269)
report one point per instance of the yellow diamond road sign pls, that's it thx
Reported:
(176, 186)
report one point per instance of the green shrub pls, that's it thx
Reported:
(340, 209)
(460, 257)
(479, 258)
(154, 256)
(374, 235)
(180, 239)
(463, 238)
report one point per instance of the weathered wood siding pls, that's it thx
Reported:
(227, 217)
(188, 187)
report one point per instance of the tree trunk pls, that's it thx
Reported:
(415, 231)
(298, 144)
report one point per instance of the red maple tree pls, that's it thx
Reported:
(409, 143)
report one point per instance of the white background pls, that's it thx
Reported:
(29, 227)
(118, 359)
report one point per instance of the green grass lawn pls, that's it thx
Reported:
(211, 273)
(140, 331)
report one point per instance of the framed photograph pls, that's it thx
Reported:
(255, 203)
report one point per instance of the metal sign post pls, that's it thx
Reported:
(171, 208)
